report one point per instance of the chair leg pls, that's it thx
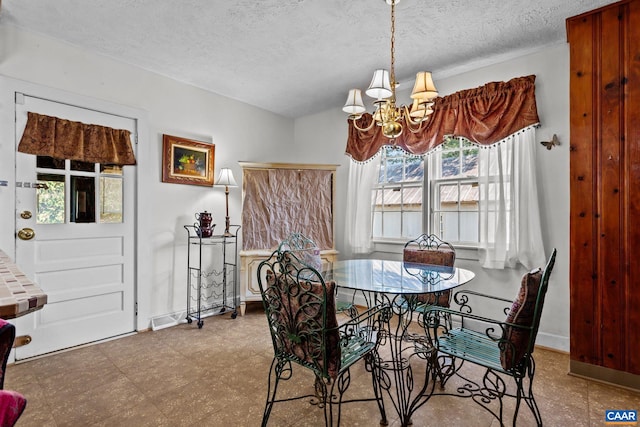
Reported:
(275, 372)
(371, 366)
(529, 398)
(341, 384)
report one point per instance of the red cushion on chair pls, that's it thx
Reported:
(441, 256)
(300, 308)
(521, 313)
(12, 405)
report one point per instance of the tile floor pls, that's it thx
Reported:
(217, 376)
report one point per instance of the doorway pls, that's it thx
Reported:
(83, 250)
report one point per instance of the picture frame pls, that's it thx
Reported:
(185, 161)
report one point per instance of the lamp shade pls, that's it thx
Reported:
(420, 111)
(354, 104)
(226, 178)
(424, 88)
(380, 86)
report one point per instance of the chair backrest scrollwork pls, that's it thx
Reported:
(301, 312)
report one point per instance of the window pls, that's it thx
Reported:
(397, 207)
(452, 184)
(54, 204)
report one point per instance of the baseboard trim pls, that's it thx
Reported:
(604, 375)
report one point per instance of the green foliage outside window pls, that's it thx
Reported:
(50, 203)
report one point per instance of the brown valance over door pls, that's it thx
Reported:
(66, 139)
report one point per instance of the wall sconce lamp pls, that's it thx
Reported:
(225, 178)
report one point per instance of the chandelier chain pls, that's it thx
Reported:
(390, 117)
(393, 49)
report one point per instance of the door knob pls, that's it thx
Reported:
(25, 214)
(21, 340)
(26, 234)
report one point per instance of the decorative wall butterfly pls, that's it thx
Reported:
(550, 144)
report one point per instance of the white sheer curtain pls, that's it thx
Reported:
(362, 178)
(510, 231)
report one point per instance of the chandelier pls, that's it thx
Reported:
(388, 115)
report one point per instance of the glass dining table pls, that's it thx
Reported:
(405, 357)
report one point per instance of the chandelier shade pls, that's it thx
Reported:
(392, 118)
(421, 111)
(354, 104)
(380, 87)
(424, 87)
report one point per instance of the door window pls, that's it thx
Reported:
(50, 199)
(95, 192)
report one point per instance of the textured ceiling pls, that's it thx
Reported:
(296, 57)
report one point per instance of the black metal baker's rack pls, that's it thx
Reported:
(208, 290)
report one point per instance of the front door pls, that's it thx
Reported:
(82, 253)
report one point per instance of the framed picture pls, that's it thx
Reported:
(185, 161)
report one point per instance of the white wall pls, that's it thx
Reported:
(327, 132)
(179, 109)
(172, 108)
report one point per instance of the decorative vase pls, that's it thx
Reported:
(204, 228)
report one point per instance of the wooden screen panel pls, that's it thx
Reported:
(609, 222)
(584, 339)
(605, 159)
(632, 189)
(280, 199)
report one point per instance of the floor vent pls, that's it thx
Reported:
(168, 320)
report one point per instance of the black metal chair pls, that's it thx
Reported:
(503, 347)
(430, 249)
(306, 250)
(300, 309)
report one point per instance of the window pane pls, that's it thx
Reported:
(398, 198)
(110, 199)
(377, 224)
(449, 226)
(469, 227)
(469, 197)
(412, 224)
(412, 198)
(50, 199)
(451, 144)
(77, 165)
(49, 162)
(414, 169)
(394, 169)
(83, 196)
(450, 164)
(391, 224)
(467, 144)
(448, 197)
(470, 162)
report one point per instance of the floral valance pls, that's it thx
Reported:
(65, 139)
(483, 115)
